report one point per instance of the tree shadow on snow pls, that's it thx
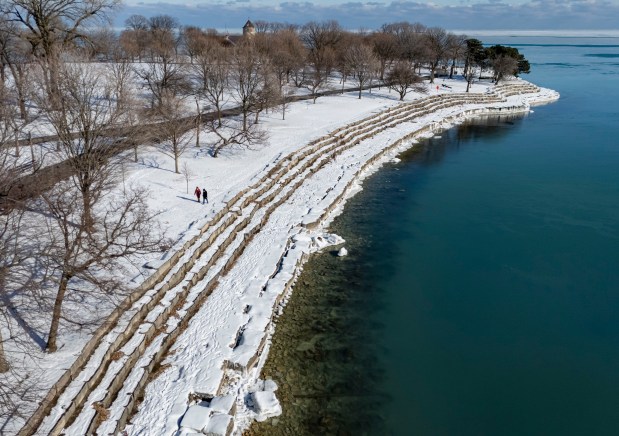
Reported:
(30, 331)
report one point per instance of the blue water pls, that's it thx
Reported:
(503, 306)
(481, 293)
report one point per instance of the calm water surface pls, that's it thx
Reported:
(481, 293)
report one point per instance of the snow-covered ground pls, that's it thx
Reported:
(203, 351)
(216, 359)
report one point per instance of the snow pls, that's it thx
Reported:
(196, 417)
(221, 351)
(218, 425)
(326, 240)
(266, 405)
(270, 385)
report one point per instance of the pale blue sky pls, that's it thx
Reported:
(371, 14)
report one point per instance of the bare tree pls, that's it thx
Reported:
(409, 39)
(122, 82)
(262, 26)
(9, 225)
(361, 63)
(321, 40)
(402, 78)
(17, 268)
(286, 99)
(211, 74)
(173, 126)
(269, 94)
(135, 39)
(455, 49)
(233, 132)
(15, 55)
(385, 49)
(104, 45)
(435, 43)
(287, 54)
(187, 174)
(342, 61)
(137, 22)
(85, 110)
(163, 40)
(89, 251)
(195, 41)
(318, 36)
(247, 76)
(164, 79)
(320, 63)
(51, 26)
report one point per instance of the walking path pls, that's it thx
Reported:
(26, 186)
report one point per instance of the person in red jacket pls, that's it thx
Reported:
(197, 192)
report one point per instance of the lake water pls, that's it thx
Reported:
(481, 292)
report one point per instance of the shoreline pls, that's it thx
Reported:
(219, 350)
(241, 375)
(337, 207)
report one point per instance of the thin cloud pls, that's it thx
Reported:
(482, 15)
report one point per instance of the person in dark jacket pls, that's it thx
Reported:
(197, 193)
(204, 196)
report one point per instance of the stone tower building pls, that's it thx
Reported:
(249, 29)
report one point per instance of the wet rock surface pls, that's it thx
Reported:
(323, 356)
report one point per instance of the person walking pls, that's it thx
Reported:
(204, 196)
(197, 193)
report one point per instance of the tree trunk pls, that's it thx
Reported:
(32, 157)
(87, 202)
(16, 142)
(198, 124)
(217, 148)
(23, 113)
(4, 365)
(51, 77)
(18, 76)
(53, 330)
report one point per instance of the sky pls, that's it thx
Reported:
(371, 14)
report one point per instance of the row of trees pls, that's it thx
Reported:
(69, 242)
(72, 242)
(182, 63)
(75, 242)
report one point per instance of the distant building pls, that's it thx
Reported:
(249, 29)
(227, 40)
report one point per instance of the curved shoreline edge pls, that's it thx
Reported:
(295, 258)
(232, 373)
